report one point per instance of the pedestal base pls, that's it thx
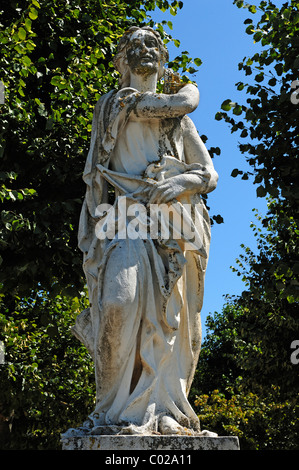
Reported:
(150, 443)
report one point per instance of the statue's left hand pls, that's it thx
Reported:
(173, 187)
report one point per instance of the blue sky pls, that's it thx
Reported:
(215, 32)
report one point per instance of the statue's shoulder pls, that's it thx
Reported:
(115, 100)
(187, 124)
(105, 98)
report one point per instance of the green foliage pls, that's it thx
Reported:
(269, 118)
(250, 341)
(47, 379)
(272, 273)
(246, 383)
(247, 354)
(218, 365)
(260, 423)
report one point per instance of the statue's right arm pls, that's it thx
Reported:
(196, 152)
(161, 105)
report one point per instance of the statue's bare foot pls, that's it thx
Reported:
(133, 429)
(83, 430)
(206, 433)
(168, 425)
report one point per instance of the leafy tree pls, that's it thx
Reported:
(271, 305)
(270, 120)
(47, 379)
(246, 384)
(247, 353)
(218, 366)
(250, 342)
(261, 423)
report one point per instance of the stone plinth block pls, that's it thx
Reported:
(140, 443)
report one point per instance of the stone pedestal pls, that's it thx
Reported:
(150, 443)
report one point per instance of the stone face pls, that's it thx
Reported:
(150, 443)
(143, 327)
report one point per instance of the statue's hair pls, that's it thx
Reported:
(120, 58)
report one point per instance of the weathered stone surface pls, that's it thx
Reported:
(160, 443)
(145, 279)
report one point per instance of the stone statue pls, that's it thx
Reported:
(143, 327)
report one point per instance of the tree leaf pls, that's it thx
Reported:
(237, 110)
(261, 191)
(28, 24)
(259, 77)
(198, 62)
(218, 219)
(252, 8)
(26, 61)
(236, 172)
(227, 105)
(22, 33)
(219, 116)
(250, 29)
(33, 13)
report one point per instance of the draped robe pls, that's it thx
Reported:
(143, 326)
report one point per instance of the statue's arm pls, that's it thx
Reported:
(196, 151)
(201, 180)
(161, 105)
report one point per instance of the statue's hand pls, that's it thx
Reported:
(173, 187)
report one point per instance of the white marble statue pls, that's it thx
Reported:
(143, 327)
